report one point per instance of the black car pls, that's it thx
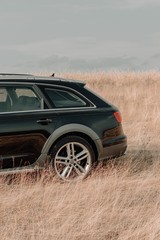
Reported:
(56, 123)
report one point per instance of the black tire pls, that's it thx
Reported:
(72, 158)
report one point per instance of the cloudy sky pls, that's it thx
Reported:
(79, 35)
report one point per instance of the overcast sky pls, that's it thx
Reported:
(79, 35)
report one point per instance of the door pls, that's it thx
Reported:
(24, 125)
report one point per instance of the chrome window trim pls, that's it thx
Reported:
(61, 87)
(49, 110)
(41, 95)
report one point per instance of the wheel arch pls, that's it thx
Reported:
(82, 135)
(73, 129)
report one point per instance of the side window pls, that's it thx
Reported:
(26, 99)
(5, 101)
(64, 98)
(15, 98)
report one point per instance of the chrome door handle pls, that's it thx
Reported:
(44, 121)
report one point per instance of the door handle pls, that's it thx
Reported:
(44, 121)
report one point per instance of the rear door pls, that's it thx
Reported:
(25, 124)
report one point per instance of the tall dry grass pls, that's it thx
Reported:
(121, 198)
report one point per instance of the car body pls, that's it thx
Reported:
(57, 123)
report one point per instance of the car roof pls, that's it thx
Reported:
(40, 79)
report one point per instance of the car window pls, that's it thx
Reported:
(18, 99)
(63, 98)
(3, 95)
(5, 101)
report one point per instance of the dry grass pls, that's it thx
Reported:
(120, 200)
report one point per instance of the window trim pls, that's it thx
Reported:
(38, 88)
(42, 87)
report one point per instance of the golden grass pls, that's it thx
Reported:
(121, 198)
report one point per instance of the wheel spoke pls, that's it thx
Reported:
(70, 149)
(69, 171)
(79, 170)
(62, 160)
(65, 171)
(82, 155)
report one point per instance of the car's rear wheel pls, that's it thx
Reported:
(72, 158)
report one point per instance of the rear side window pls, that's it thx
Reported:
(64, 98)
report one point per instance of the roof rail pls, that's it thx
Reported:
(17, 74)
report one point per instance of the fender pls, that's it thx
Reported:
(70, 128)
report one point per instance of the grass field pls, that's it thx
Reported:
(121, 198)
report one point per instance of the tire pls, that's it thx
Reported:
(72, 158)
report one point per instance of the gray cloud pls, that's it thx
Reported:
(56, 63)
(79, 35)
(62, 64)
(134, 4)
